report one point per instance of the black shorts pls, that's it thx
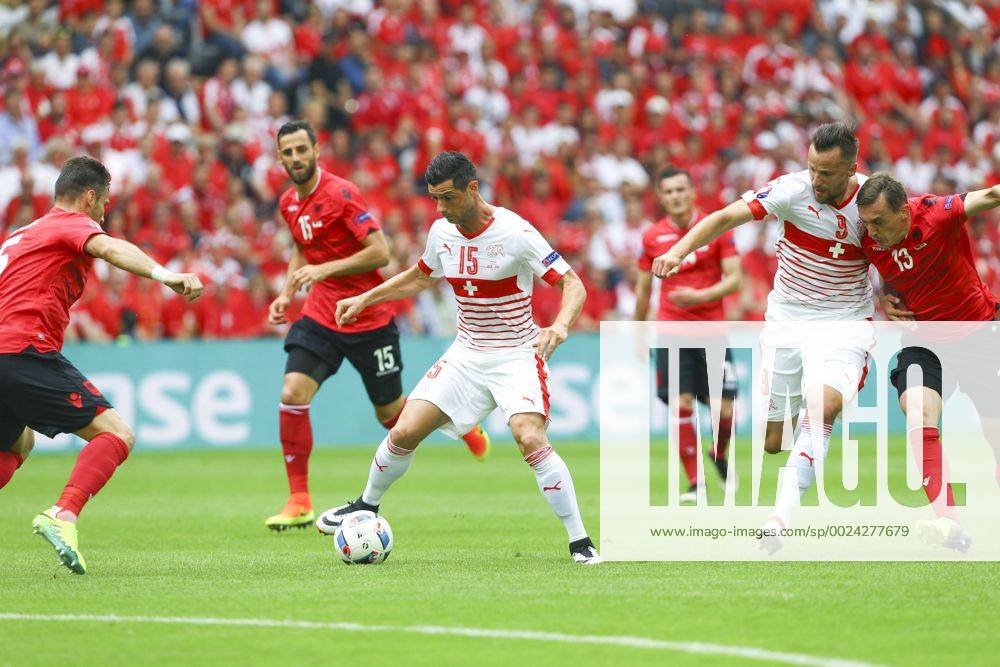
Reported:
(692, 376)
(318, 352)
(45, 392)
(974, 376)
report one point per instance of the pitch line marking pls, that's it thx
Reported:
(745, 652)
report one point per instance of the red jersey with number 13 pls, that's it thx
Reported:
(933, 268)
(327, 224)
(43, 271)
(701, 269)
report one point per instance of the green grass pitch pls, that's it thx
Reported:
(181, 535)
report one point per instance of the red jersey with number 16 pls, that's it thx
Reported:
(43, 270)
(933, 269)
(327, 224)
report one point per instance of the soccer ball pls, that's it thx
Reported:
(363, 538)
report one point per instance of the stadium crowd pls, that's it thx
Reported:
(570, 108)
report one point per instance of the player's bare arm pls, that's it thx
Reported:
(130, 258)
(978, 201)
(574, 295)
(709, 228)
(374, 255)
(643, 290)
(401, 286)
(276, 313)
(732, 276)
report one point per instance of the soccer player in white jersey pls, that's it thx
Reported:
(822, 275)
(490, 256)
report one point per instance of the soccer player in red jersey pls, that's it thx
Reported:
(338, 250)
(693, 293)
(44, 268)
(922, 249)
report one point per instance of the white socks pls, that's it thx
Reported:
(556, 485)
(389, 464)
(810, 446)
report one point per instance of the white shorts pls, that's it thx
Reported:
(467, 385)
(810, 354)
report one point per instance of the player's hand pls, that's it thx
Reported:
(307, 275)
(349, 309)
(549, 339)
(685, 297)
(667, 264)
(896, 310)
(277, 310)
(188, 284)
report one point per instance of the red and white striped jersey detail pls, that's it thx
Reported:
(477, 288)
(822, 269)
(492, 275)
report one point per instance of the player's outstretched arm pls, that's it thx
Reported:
(126, 256)
(709, 228)
(574, 295)
(374, 255)
(400, 286)
(978, 201)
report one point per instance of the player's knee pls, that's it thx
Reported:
(404, 435)
(772, 441)
(726, 411)
(685, 402)
(832, 405)
(24, 444)
(530, 440)
(111, 422)
(931, 415)
(125, 433)
(294, 394)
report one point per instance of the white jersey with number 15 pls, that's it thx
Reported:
(492, 274)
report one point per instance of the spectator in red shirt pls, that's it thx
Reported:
(87, 103)
(222, 21)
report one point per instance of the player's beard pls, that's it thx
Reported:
(831, 199)
(305, 175)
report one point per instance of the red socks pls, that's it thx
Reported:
(296, 445)
(925, 443)
(721, 445)
(688, 444)
(9, 462)
(94, 467)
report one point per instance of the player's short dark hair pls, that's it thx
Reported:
(836, 135)
(451, 165)
(882, 184)
(670, 172)
(293, 126)
(79, 174)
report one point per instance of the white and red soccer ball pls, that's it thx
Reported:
(364, 538)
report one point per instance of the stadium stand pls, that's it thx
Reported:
(570, 108)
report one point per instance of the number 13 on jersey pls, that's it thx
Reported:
(902, 258)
